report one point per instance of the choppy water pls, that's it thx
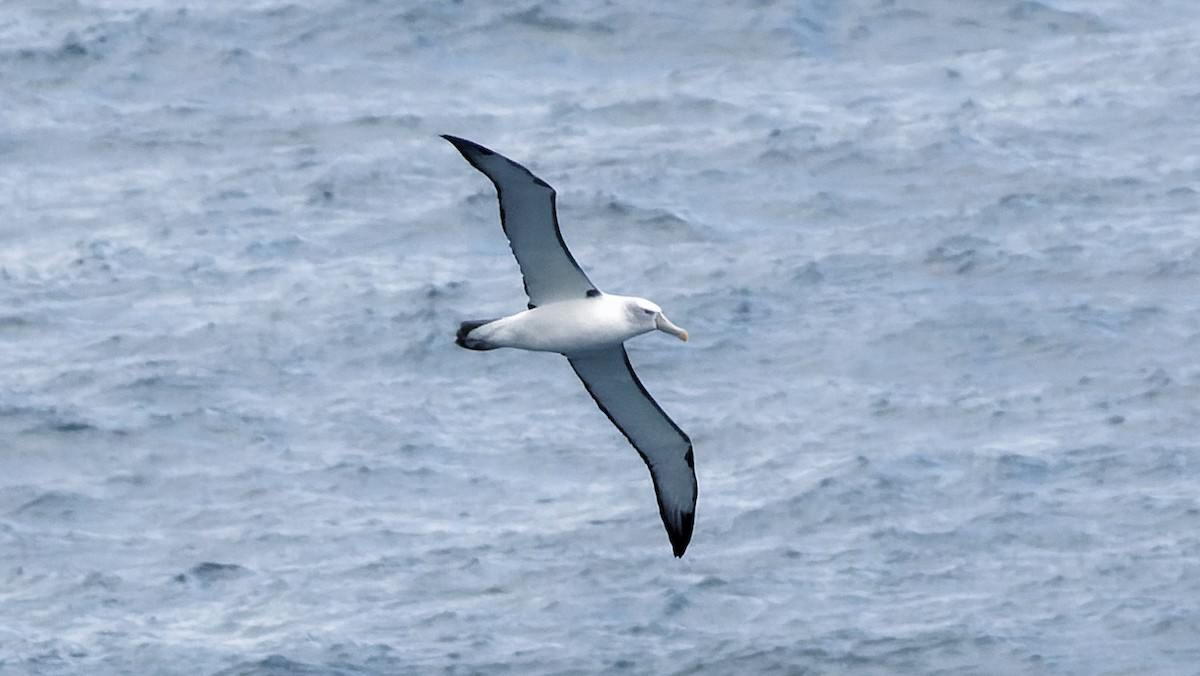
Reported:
(939, 261)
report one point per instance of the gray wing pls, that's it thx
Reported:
(529, 219)
(667, 451)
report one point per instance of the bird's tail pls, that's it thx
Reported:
(464, 339)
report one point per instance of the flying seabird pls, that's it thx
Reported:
(569, 315)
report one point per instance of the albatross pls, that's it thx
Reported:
(569, 315)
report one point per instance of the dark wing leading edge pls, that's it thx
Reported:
(667, 451)
(527, 213)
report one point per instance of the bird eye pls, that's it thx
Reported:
(649, 312)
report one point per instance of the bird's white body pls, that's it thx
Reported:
(576, 326)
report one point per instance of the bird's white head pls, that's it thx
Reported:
(650, 316)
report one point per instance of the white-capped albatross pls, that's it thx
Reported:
(569, 315)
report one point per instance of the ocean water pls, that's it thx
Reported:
(940, 262)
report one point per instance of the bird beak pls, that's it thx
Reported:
(663, 324)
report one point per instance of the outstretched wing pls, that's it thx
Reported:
(667, 451)
(527, 213)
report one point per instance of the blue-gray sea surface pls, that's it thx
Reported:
(940, 262)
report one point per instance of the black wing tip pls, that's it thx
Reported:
(471, 150)
(464, 146)
(681, 536)
(680, 531)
